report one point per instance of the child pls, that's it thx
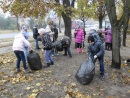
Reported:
(18, 48)
(47, 43)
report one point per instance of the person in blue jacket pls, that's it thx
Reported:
(25, 33)
(96, 51)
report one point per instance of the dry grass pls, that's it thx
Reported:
(9, 42)
(10, 31)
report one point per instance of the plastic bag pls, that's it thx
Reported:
(85, 72)
(34, 61)
(58, 45)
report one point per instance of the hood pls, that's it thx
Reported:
(47, 29)
(18, 35)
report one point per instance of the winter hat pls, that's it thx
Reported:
(90, 38)
(41, 31)
(24, 28)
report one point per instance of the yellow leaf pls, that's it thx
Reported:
(28, 88)
(33, 95)
(73, 84)
(67, 96)
(65, 88)
(38, 84)
(35, 90)
(128, 71)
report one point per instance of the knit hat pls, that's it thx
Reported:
(90, 38)
(24, 28)
(41, 31)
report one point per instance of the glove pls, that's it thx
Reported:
(31, 51)
(95, 56)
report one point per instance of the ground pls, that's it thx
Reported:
(58, 81)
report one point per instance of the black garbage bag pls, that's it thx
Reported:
(58, 45)
(85, 72)
(34, 61)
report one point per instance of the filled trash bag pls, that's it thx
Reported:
(34, 61)
(58, 45)
(85, 72)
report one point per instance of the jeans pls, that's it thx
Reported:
(48, 56)
(67, 49)
(20, 56)
(25, 52)
(101, 61)
(36, 44)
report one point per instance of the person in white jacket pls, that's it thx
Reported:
(18, 48)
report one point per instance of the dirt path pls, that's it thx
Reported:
(58, 81)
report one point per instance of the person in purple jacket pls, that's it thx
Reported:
(108, 39)
(79, 39)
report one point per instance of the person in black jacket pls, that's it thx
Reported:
(66, 45)
(55, 36)
(35, 34)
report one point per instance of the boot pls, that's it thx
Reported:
(52, 63)
(47, 65)
(78, 50)
(64, 54)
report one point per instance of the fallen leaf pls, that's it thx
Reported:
(33, 95)
(28, 88)
(73, 84)
(35, 90)
(38, 84)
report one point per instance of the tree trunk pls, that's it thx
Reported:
(124, 38)
(125, 27)
(59, 24)
(116, 61)
(18, 27)
(100, 21)
(67, 23)
(84, 24)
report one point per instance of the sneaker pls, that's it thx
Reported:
(27, 71)
(17, 70)
(47, 65)
(102, 77)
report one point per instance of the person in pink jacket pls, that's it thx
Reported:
(18, 48)
(79, 39)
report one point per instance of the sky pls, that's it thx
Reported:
(5, 14)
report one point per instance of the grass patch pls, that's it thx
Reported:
(10, 31)
(9, 42)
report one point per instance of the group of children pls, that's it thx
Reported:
(48, 36)
(95, 45)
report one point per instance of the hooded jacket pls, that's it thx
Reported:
(95, 49)
(79, 35)
(46, 41)
(19, 42)
(95, 35)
